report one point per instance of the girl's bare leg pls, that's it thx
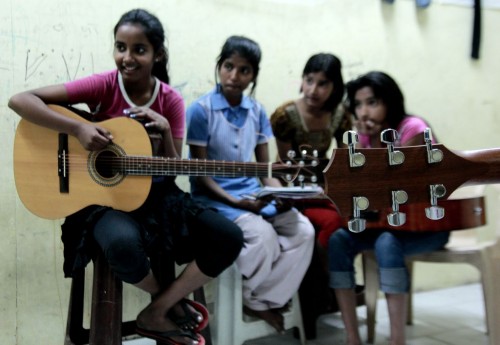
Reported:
(346, 299)
(153, 317)
(397, 305)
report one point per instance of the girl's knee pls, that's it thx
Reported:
(340, 240)
(388, 243)
(386, 239)
(127, 260)
(307, 230)
(389, 251)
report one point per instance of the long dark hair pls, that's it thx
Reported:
(331, 66)
(153, 29)
(385, 89)
(244, 47)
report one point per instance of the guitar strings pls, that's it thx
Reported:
(146, 165)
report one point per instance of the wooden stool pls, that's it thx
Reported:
(106, 326)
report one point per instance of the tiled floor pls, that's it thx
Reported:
(448, 316)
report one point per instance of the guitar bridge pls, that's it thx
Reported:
(62, 163)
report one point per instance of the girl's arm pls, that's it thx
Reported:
(218, 193)
(283, 148)
(415, 140)
(178, 147)
(262, 155)
(152, 120)
(32, 106)
(412, 131)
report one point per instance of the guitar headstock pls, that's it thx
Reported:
(373, 184)
(304, 168)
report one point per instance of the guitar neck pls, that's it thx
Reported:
(160, 166)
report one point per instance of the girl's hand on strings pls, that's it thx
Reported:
(92, 137)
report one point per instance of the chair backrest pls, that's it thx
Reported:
(460, 214)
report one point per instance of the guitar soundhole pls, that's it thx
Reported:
(105, 166)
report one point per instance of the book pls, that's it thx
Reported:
(295, 192)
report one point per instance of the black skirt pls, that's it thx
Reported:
(163, 227)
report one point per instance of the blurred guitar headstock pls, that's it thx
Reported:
(299, 169)
(373, 179)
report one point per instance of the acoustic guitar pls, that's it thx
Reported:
(55, 176)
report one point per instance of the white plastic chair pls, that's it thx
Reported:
(231, 327)
(478, 255)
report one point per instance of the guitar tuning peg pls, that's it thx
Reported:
(435, 212)
(358, 224)
(433, 155)
(291, 154)
(389, 137)
(397, 218)
(356, 159)
(301, 180)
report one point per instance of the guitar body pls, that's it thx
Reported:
(37, 178)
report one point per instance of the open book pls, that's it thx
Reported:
(304, 192)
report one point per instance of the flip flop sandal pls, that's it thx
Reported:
(166, 337)
(189, 317)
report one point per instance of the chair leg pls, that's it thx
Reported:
(488, 288)
(227, 307)
(371, 293)
(298, 319)
(409, 310)
(106, 315)
(492, 273)
(75, 333)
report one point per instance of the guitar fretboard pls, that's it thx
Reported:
(159, 166)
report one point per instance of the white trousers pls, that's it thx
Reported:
(275, 257)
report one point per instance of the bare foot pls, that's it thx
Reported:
(282, 309)
(272, 317)
(185, 316)
(353, 341)
(156, 322)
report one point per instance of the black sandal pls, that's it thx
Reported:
(166, 336)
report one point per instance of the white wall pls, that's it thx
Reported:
(45, 42)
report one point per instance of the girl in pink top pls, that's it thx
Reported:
(169, 220)
(377, 103)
